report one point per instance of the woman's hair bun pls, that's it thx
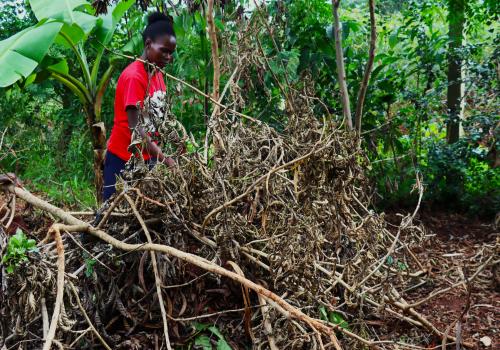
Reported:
(158, 24)
(158, 17)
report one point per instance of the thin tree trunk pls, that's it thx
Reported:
(369, 66)
(98, 138)
(67, 129)
(215, 48)
(346, 105)
(456, 22)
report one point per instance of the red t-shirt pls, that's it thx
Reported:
(131, 88)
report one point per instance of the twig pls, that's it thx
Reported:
(115, 202)
(155, 270)
(91, 213)
(404, 224)
(45, 318)
(218, 313)
(95, 257)
(453, 286)
(12, 211)
(267, 323)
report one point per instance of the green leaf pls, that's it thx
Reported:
(77, 24)
(134, 46)
(203, 341)
(216, 332)
(64, 10)
(393, 39)
(60, 67)
(223, 345)
(89, 267)
(390, 260)
(323, 315)
(336, 318)
(200, 326)
(219, 24)
(21, 53)
(57, 9)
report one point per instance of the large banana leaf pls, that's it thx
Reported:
(77, 24)
(21, 53)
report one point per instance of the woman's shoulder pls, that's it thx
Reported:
(134, 70)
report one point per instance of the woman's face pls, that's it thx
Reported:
(161, 50)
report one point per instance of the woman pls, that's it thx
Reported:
(159, 46)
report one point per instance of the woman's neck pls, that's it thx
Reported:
(150, 70)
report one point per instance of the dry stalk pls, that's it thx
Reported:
(155, 270)
(55, 231)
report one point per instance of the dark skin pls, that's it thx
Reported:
(159, 52)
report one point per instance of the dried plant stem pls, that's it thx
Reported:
(155, 270)
(115, 202)
(258, 181)
(12, 211)
(45, 318)
(55, 231)
(267, 323)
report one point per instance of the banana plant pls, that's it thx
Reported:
(69, 23)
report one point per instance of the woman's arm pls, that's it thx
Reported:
(153, 149)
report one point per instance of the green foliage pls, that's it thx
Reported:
(89, 265)
(17, 249)
(202, 340)
(49, 145)
(333, 317)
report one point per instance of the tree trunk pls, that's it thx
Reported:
(456, 22)
(369, 67)
(98, 138)
(346, 104)
(67, 129)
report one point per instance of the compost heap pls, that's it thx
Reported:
(286, 209)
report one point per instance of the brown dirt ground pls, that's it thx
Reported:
(450, 251)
